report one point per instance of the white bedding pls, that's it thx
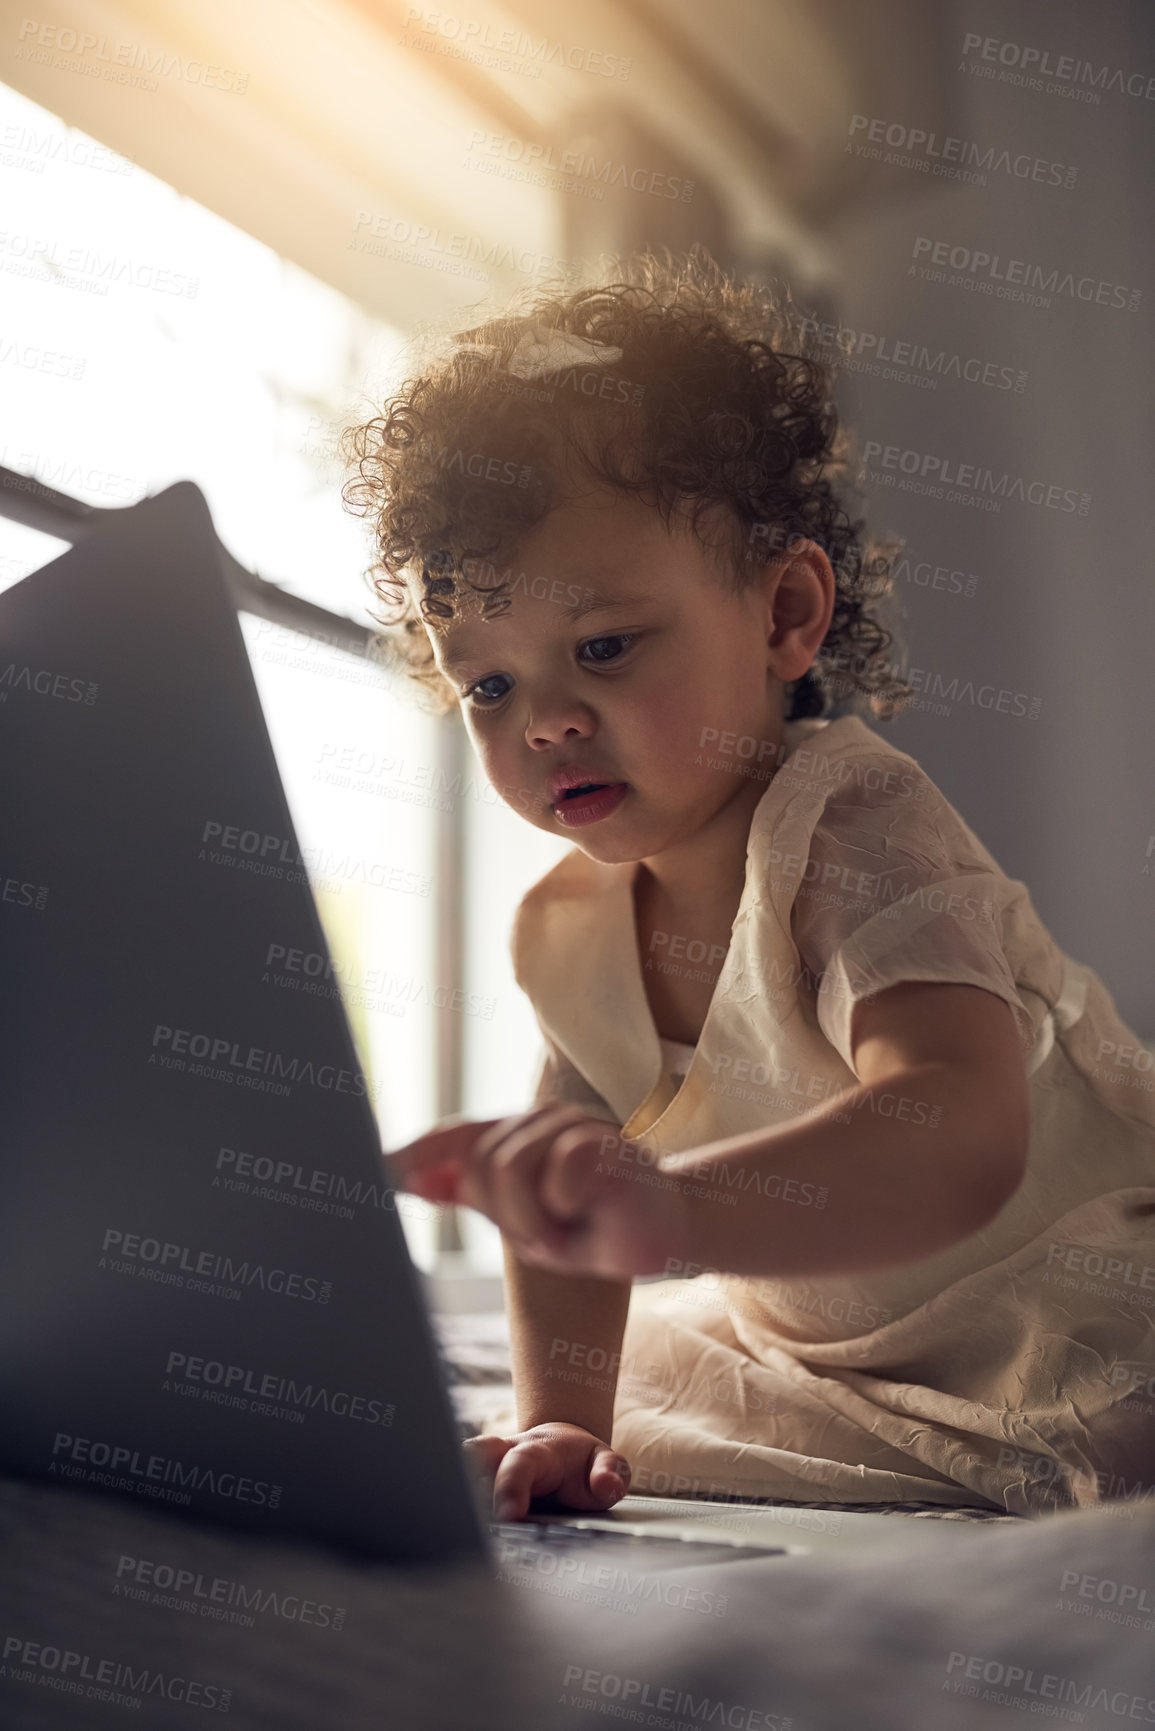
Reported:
(874, 1640)
(476, 1351)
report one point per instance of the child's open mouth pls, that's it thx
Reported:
(590, 802)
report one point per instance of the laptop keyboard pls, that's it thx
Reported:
(620, 1539)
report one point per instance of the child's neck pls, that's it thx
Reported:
(706, 873)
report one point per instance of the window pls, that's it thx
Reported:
(147, 341)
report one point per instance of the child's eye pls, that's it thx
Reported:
(480, 696)
(623, 637)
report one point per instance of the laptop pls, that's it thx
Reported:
(208, 1302)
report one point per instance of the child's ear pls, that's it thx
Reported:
(800, 591)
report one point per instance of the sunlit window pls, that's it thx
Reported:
(146, 341)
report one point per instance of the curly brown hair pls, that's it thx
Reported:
(712, 412)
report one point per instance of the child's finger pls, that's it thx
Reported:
(576, 1177)
(511, 1186)
(530, 1469)
(475, 1169)
(483, 1456)
(441, 1185)
(446, 1147)
(419, 1175)
(609, 1476)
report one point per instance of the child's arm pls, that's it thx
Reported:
(562, 1449)
(922, 1154)
(557, 1323)
(561, 1452)
(566, 1328)
(556, 1320)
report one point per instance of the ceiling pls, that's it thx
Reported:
(417, 160)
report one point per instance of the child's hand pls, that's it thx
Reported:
(560, 1462)
(563, 1187)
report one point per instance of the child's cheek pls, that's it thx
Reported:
(667, 726)
(493, 760)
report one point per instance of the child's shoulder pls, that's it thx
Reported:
(831, 757)
(842, 764)
(842, 778)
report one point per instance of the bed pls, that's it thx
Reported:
(949, 1618)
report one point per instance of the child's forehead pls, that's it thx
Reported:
(597, 553)
(601, 537)
(525, 597)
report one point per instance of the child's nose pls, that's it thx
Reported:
(556, 718)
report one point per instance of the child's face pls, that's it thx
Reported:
(672, 691)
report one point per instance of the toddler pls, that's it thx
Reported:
(811, 1061)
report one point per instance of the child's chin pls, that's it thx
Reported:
(610, 849)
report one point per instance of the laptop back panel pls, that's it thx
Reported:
(206, 1297)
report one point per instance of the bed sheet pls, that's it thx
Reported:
(476, 1354)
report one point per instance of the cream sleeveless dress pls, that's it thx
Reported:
(1016, 1367)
